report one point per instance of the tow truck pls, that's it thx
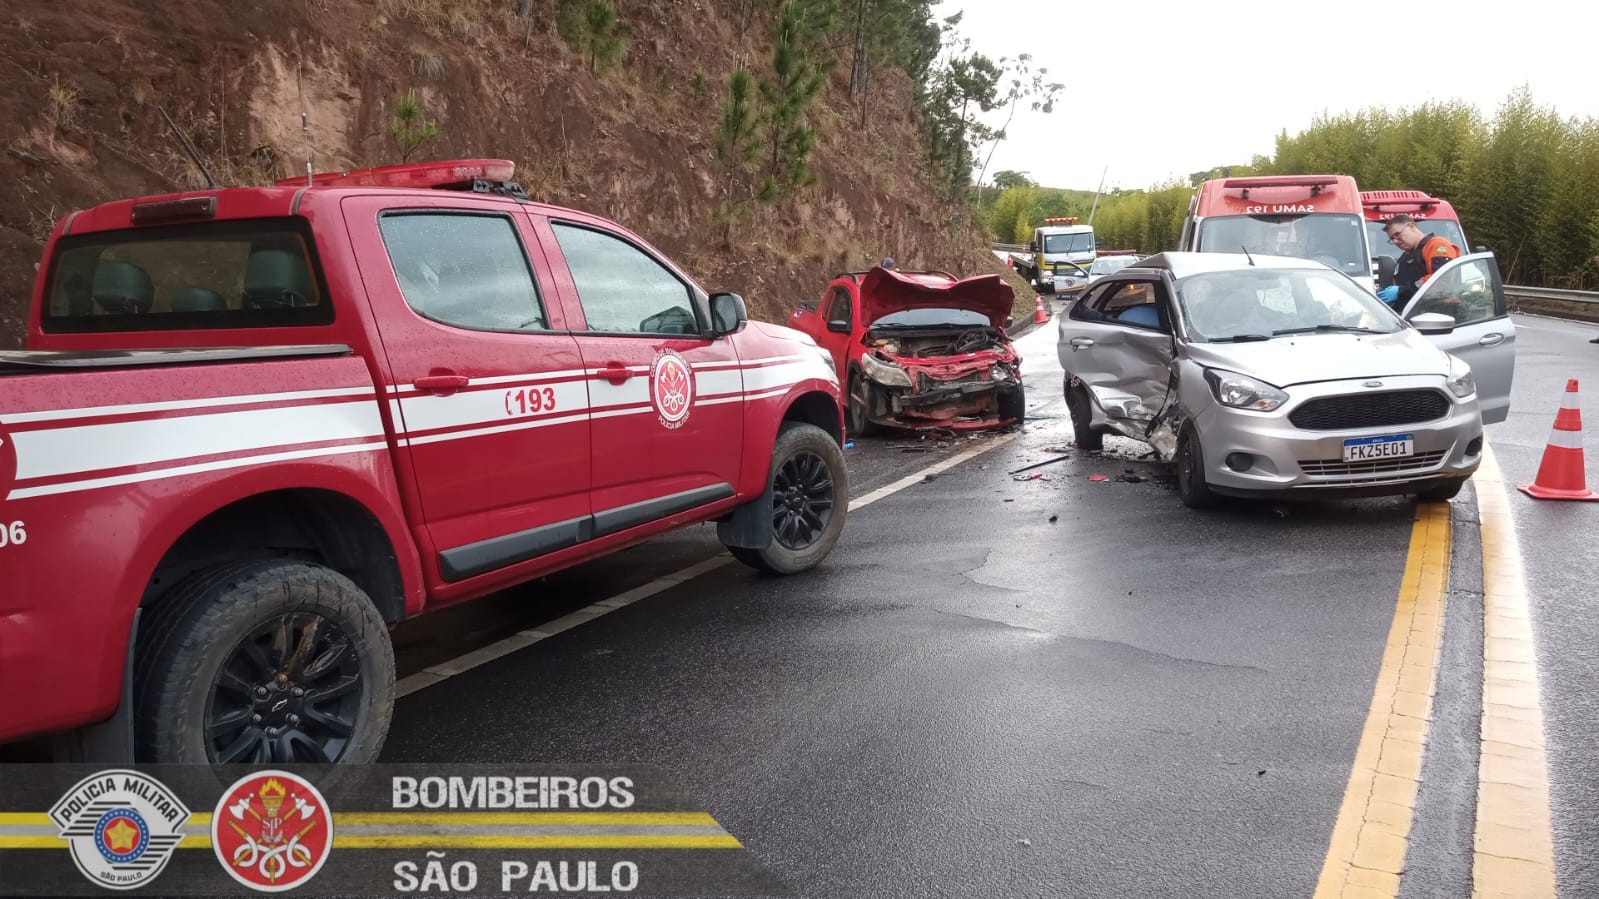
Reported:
(1058, 240)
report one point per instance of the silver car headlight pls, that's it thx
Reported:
(1460, 381)
(885, 373)
(1243, 392)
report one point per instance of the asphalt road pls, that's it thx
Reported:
(1560, 546)
(1050, 687)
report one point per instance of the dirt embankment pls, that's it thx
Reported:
(80, 124)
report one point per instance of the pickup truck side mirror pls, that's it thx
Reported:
(728, 315)
(838, 326)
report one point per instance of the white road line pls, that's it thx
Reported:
(443, 671)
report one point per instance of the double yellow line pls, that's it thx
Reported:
(1512, 849)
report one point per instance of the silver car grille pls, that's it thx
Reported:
(1376, 469)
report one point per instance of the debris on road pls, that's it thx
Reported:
(1040, 464)
(1054, 518)
(1098, 477)
(1035, 476)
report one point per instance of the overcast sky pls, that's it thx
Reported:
(1158, 89)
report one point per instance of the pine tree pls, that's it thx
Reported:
(410, 127)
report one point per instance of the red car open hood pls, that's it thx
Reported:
(884, 292)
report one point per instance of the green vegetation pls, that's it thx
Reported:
(410, 127)
(592, 28)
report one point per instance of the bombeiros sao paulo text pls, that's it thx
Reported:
(496, 793)
(437, 875)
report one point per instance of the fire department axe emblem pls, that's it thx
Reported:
(272, 831)
(671, 388)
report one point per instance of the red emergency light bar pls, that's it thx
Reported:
(1068, 220)
(1378, 200)
(1314, 182)
(456, 173)
(1281, 181)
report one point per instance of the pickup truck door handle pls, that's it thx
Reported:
(1082, 342)
(1491, 339)
(442, 384)
(615, 372)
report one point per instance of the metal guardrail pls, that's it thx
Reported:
(1550, 293)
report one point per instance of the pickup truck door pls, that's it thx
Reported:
(839, 311)
(666, 397)
(487, 398)
(1470, 291)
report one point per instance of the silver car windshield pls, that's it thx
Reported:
(1262, 303)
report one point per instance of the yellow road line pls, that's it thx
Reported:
(1513, 848)
(462, 841)
(1367, 852)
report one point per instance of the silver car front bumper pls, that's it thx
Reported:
(1283, 457)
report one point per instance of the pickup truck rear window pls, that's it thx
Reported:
(256, 273)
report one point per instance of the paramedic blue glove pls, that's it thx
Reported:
(1389, 294)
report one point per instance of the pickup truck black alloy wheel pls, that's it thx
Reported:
(263, 662)
(810, 496)
(289, 692)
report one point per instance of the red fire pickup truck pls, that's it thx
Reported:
(255, 427)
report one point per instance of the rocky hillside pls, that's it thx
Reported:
(80, 123)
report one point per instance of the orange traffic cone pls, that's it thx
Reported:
(1562, 476)
(1040, 316)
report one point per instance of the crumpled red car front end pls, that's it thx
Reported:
(935, 353)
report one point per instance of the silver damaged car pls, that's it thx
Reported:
(1279, 377)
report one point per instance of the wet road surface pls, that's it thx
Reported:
(970, 697)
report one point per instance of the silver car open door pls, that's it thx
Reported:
(1470, 291)
(1118, 342)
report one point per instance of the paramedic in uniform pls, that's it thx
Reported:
(1422, 254)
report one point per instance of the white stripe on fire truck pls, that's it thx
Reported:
(170, 405)
(90, 448)
(200, 468)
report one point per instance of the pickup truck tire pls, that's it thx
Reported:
(858, 405)
(266, 661)
(809, 484)
(1083, 433)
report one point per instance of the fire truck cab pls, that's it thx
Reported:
(1308, 216)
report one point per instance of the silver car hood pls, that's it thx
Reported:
(1308, 358)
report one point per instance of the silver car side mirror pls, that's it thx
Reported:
(1433, 323)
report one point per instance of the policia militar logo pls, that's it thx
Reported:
(122, 827)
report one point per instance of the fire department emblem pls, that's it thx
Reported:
(272, 831)
(121, 826)
(671, 388)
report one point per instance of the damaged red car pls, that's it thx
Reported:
(920, 349)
